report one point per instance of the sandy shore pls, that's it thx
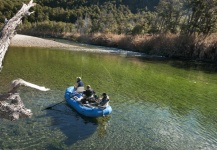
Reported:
(30, 41)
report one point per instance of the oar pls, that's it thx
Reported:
(53, 105)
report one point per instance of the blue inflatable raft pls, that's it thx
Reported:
(85, 109)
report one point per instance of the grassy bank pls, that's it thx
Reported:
(169, 45)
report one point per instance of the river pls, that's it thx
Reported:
(157, 104)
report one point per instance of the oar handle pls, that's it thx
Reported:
(52, 106)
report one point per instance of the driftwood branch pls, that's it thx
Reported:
(9, 29)
(11, 105)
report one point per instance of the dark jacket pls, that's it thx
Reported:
(104, 101)
(89, 92)
(80, 84)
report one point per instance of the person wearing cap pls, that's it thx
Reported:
(79, 85)
(104, 101)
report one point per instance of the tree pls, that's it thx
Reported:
(169, 15)
(203, 16)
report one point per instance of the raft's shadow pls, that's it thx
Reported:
(73, 125)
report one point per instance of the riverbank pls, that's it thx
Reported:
(20, 40)
(167, 45)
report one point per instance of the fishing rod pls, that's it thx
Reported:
(50, 107)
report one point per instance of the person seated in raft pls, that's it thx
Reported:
(104, 101)
(88, 95)
(79, 85)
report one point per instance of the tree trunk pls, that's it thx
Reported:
(9, 29)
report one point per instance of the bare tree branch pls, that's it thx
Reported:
(9, 29)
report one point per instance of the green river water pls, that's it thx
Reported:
(157, 104)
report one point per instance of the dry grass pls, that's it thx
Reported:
(170, 45)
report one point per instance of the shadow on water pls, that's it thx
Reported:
(195, 65)
(207, 67)
(73, 125)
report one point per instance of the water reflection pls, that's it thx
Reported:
(195, 65)
(207, 67)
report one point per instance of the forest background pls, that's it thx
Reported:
(184, 29)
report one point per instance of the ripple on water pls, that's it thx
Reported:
(154, 104)
(155, 126)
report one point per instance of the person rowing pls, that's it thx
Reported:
(88, 95)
